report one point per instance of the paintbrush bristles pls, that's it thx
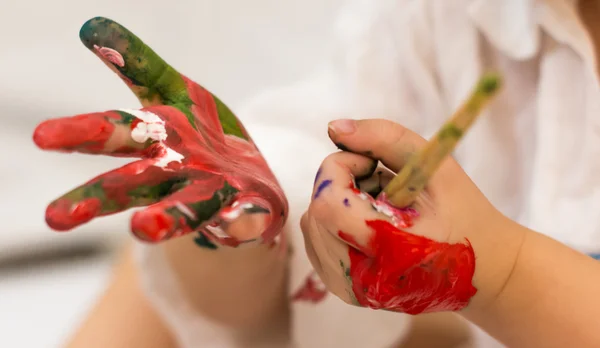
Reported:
(412, 178)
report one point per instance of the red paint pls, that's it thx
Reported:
(84, 133)
(65, 214)
(407, 214)
(403, 272)
(211, 158)
(62, 215)
(353, 188)
(311, 291)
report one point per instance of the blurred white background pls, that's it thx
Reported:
(235, 48)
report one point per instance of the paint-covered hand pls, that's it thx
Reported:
(369, 253)
(198, 169)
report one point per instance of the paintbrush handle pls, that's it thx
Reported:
(412, 178)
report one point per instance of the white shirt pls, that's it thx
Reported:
(535, 153)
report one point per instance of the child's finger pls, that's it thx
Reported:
(339, 170)
(135, 184)
(384, 140)
(394, 144)
(308, 244)
(328, 255)
(147, 75)
(154, 81)
(115, 133)
(187, 210)
(338, 205)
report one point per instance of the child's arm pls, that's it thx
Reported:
(245, 294)
(123, 318)
(201, 180)
(550, 299)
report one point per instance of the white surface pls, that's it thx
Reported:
(40, 308)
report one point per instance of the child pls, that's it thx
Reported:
(533, 154)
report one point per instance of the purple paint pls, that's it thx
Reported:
(317, 176)
(322, 186)
(346, 202)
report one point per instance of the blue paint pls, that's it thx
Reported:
(346, 202)
(595, 256)
(317, 176)
(322, 186)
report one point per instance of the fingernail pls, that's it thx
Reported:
(342, 127)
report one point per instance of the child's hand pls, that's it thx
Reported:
(420, 259)
(198, 176)
(198, 169)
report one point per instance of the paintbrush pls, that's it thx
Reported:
(412, 178)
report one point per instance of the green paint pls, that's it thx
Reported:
(205, 210)
(146, 194)
(489, 84)
(450, 131)
(350, 293)
(228, 120)
(126, 118)
(142, 65)
(202, 241)
(346, 271)
(93, 190)
(140, 196)
(154, 78)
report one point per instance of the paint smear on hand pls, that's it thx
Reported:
(313, 290)
(401, 217)
(110, 55)
(199, 168)
(403, 272)
(324, 184)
